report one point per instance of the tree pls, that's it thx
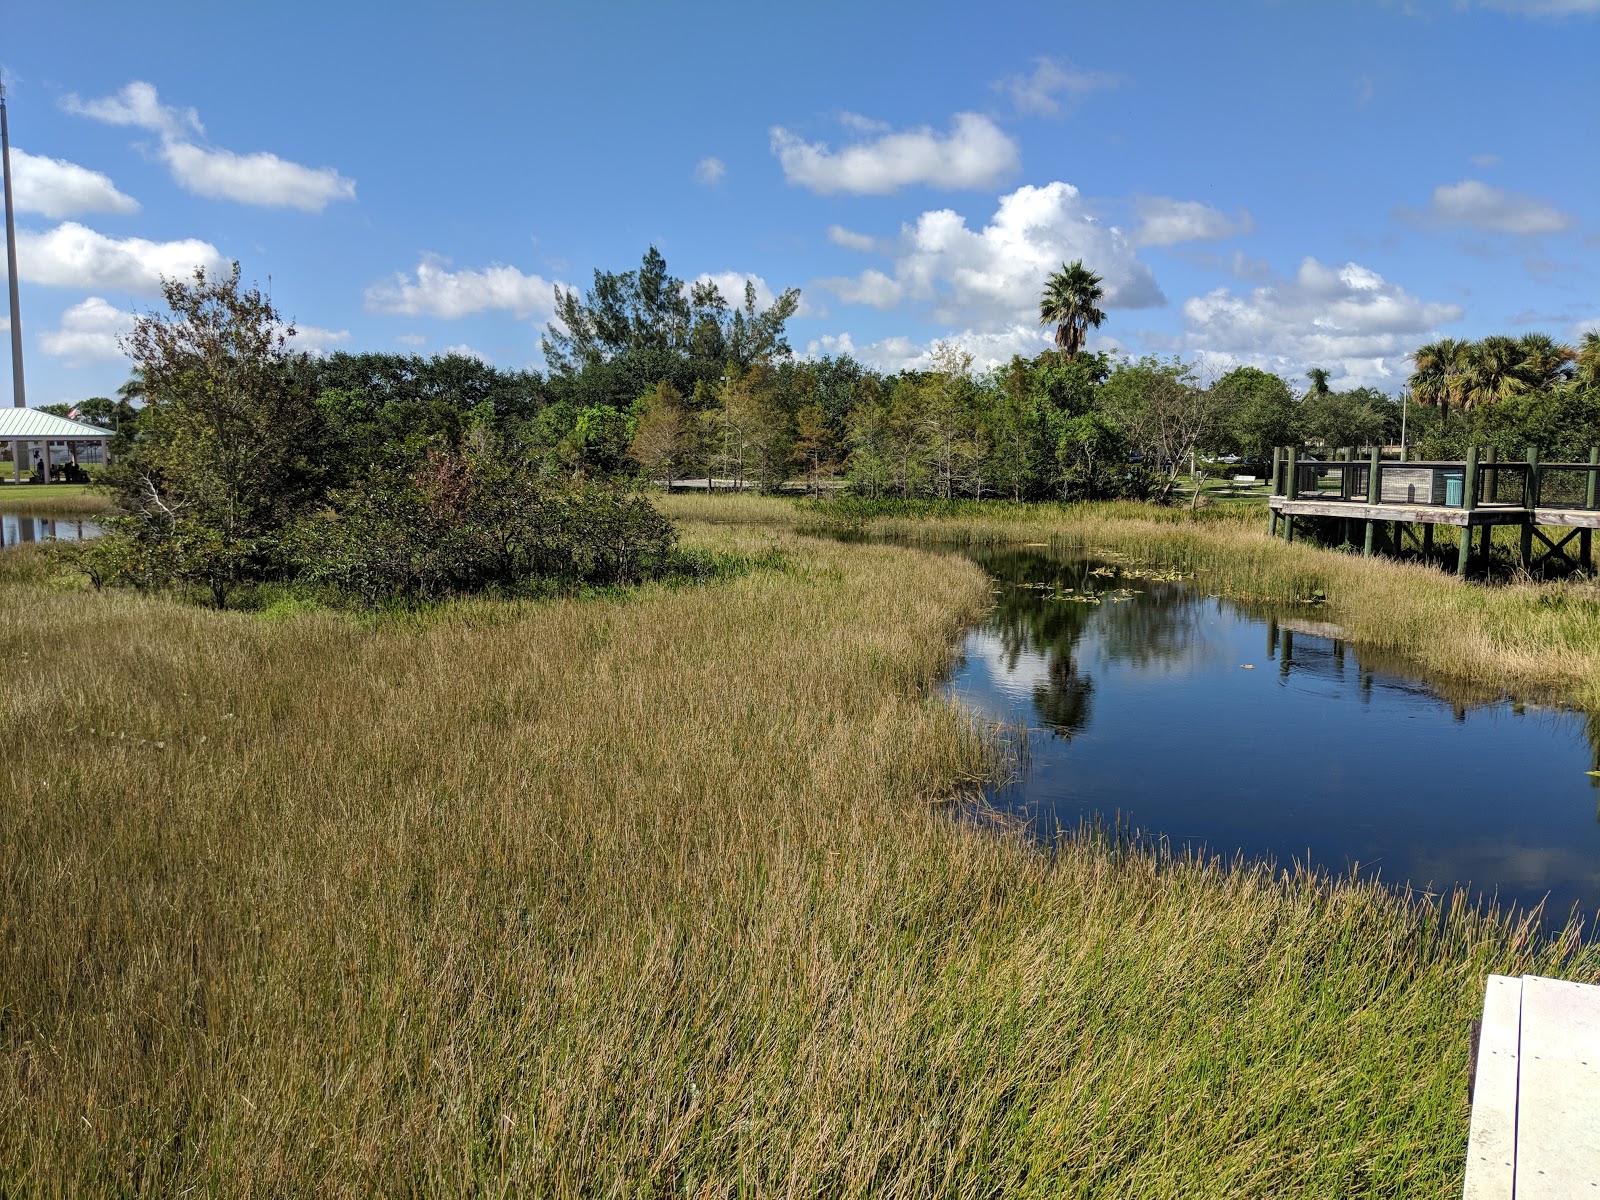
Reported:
(1493, 371)
(1319, 382)
(1071, 303)
(228, 443)
(1258, 412)
(813, 445)
(1588, 359)
(663, 435)
(1165, 414)
(1440, 374)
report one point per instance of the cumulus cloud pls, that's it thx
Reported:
(72, 255)
(989, 348)
(259, 178)
(976, 153)
(1164, 222)
(436, 291)
(56, 188)
(1348, 320)
(1475, 205)
(990, 278)
(137, 105)
(731, 286)
(89, 332)
(869, 287)
(850, 240)
(411, 339)
(311, 339)
(710, 171)
(462, 350)
(1051, 84)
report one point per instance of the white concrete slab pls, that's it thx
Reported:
(1558, 1093)
(1492, 1147)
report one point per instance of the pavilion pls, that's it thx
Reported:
(28, 427)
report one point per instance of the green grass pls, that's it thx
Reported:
(53, 499)
(652, 895)
(1538, 640)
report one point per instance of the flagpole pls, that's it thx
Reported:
(18, 393)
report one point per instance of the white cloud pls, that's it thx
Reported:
(88, 333)
(1037, 93)
(870, 287)
(1545, 8)
(411, 339)
(710, 171)
(1349, 320)
(463, 350)
(137, 105)
(436, 291)
(1485, 161)
(1164, 222)
(259, 178)
(840, 236)
(72, 255)
(56, 188)
(859, 124)
(976, 153)
(731, 286)
(310, 339)
(1480, 206)
(989, 348)
(990, 278)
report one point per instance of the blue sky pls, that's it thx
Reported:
(1283, 184)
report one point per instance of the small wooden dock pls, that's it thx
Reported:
(1383, 502)
(1535, 1130)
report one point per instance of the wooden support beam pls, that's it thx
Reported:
(1469, 501)
(1427, 541)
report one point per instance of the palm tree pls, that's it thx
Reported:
(1545, 361)
(1071, 303)
(1588, 358)
(1319, 382)
(1492, 371)
(1440, 370)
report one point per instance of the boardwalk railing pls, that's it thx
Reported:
(1475, 482)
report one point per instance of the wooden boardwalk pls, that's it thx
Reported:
(1381, 501)
(1536, 1093)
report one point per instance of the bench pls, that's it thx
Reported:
(1536, 1092)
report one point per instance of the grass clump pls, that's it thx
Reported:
(654, 896)
(54, 500)
(1536, 640)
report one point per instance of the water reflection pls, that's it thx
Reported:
(1249, 729)
(16, 528)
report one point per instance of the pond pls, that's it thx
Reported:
(17, 527)
(1259, 732)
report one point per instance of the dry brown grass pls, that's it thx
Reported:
(652, 896)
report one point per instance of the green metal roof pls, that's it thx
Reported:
(31, 425)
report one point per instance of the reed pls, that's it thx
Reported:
(1536, 640)
(54, 500)
(650, 895)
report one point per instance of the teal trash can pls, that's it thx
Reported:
(1454, 485)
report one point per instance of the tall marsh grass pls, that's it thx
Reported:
(1535, 639)
(652, 896)
(53, 499)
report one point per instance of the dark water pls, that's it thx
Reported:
(16, 528)
(1207, 724)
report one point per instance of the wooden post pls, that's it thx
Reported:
(1530, 500)
(1374, 494)
(1469, 501)
(1290, 469)
(1427, 541)
(1586, 536)
(1272, 481)
(1491, 477)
